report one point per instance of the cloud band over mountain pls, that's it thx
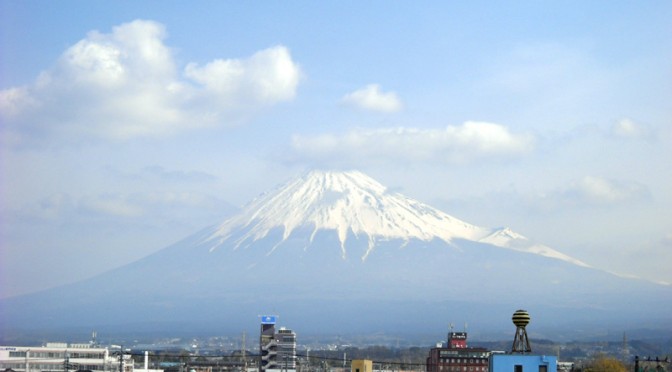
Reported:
(453, 144)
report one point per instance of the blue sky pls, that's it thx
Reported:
(126, 126)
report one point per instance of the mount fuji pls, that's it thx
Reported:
(352, 203)
(336, 252)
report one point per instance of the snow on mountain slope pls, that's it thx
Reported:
(351, 201)
(508, 239)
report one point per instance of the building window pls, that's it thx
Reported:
(543, 369)
(518, 368)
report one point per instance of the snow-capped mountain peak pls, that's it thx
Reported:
(351, 202)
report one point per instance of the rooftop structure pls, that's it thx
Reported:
(521, 344)
(518, 360)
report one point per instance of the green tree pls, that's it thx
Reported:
(603, 363)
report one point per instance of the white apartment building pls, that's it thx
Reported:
(61, 357)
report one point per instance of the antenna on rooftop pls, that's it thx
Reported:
(244, 349)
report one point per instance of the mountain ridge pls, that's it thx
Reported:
(256, 262)
(351, 201)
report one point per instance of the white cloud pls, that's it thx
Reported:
(599, 192)
(371, 98)
(151, 206)
(63, 206)
(125, 84)
(453, 144)
(628, 128)
(268, 76)
(161, 174)
(15, 100)
(113, 206)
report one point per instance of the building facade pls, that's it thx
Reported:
(277, 350)
(455, 355)
(523, 363)
(60, 357)
(286, 341)
(361, 365)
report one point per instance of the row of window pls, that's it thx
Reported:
(458, 368)
(519, 368)
(51, 367)
(56, 355)
(473, 354)
(465, 361)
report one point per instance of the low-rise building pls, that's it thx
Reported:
(523, 363)
(60, 357)
(361, 365)
(455, 356)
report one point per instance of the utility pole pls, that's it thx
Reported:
(244, 356)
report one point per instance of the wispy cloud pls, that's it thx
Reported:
(66, 207)
(165, 175)
(113, 206)
(126, 84)
(593, 191)
(453, 144)
(150, 206)
(596, 190)
(371, 98)
(629, 129)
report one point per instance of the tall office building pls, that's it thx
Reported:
(277, 350)
(286, 340)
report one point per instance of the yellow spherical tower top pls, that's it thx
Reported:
(521, 318)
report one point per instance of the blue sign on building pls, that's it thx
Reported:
(268, 319)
